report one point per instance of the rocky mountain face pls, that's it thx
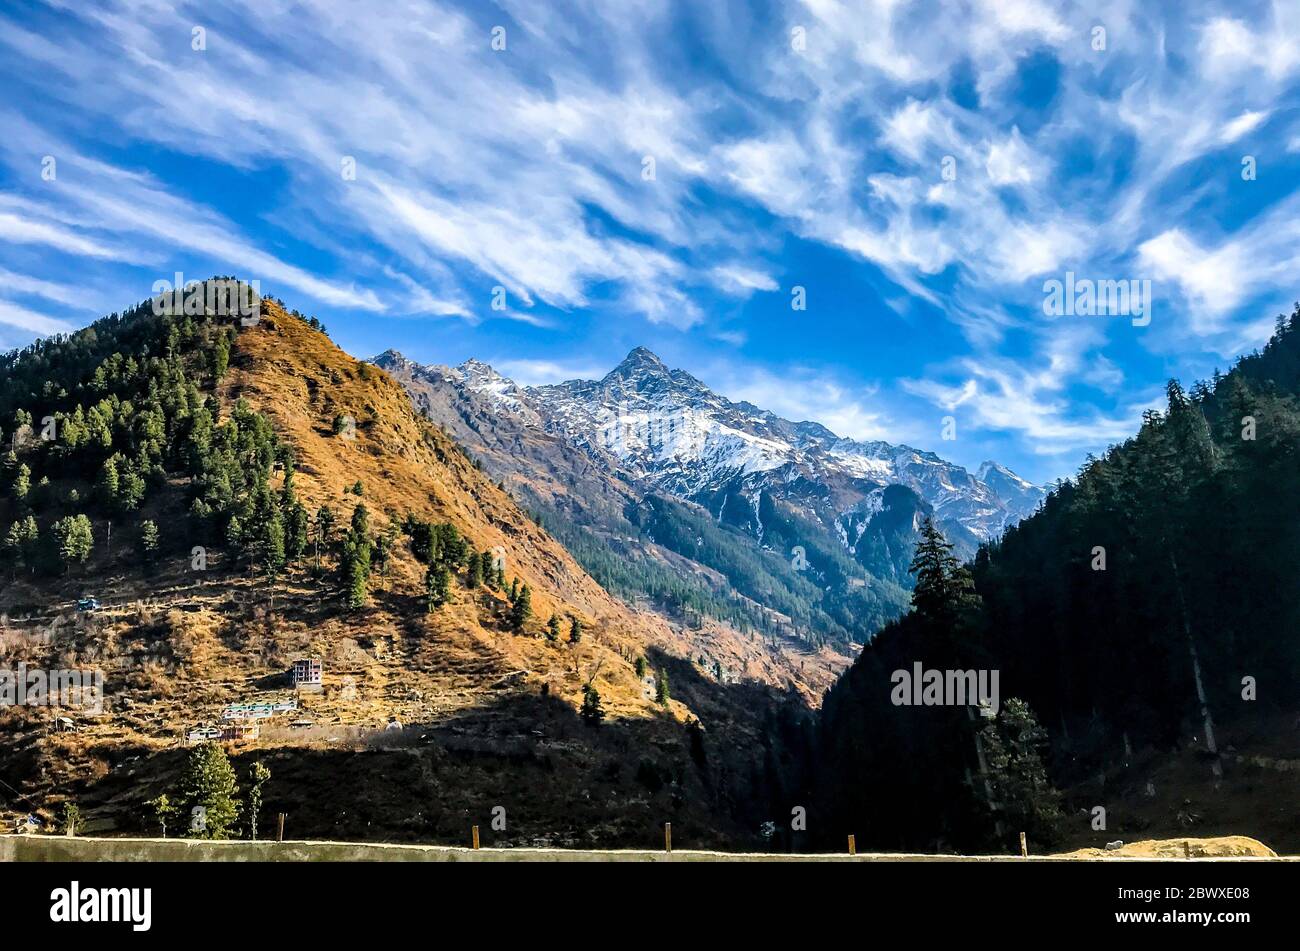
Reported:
(787, 488)
(669, 430)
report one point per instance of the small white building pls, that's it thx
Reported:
(306, 674)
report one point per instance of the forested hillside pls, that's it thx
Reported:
(240, 494)
(1151, 604)
(99, 422)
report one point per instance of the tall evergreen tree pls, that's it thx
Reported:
(592, 712)
(22, 483)
(944, 586)
(148, 546)
(1013, 745)
(208, 784)
(75, 539)
(522, 609)
(437, 586)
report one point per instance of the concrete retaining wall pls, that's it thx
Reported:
(50, 848)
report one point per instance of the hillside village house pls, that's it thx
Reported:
(241, 731)
(306, 674)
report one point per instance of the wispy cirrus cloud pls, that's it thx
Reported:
(665, 167)
(18, 316)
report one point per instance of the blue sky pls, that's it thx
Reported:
(919, 169)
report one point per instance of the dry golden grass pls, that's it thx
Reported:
(491, 713)
(1227, 846)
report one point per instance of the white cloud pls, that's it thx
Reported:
(1231, 47)
(68, 294)
(798, 394)
(21, 230)
(134, 208)
(1026, 250)
(1031, 395)
(1214, 282)
(1026, 16)
(523, 317)
(773, 171)
(1004, 396)
(525, 169)
(742, 281)
(445, 145)
(18, 316)
(1011, 162)
(546, 372)
(916, 130)
(1244, 123)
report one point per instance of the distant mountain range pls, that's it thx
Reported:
(651, 453)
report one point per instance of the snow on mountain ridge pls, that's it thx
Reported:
(668, 429)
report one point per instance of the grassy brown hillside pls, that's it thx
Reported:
(301, 380)
(489, 717)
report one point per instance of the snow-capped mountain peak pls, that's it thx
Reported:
(1017, 493)
(639, 360)
(667, 430)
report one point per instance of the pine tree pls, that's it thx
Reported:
(437, 586)
(592, 712)
(944, 586)
(1013, 743)
(208, 783)
(522, 609)
(361, 521)
(235, 535)
(662, 693)
(13, 545)
(295, 531)
(107, 486)
(324, 529)
(474, 571)
(356, 572)
(75, 539)
(575, 629)
(25, 538)
(148, 542)
(130, 488)
(220, 357)
(356, 558)
(22, 482)
(553, 628)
